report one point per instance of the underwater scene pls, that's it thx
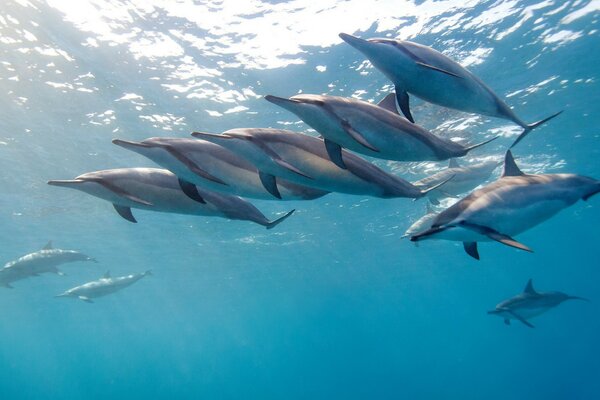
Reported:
(359, 199)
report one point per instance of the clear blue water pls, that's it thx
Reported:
(331, 303)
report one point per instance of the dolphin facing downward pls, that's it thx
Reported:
(513, 204)
(213, 167)
(304, 160)
(430, 75)
(103, 286)
(370, 129)
(42, 261)
(159, 190)
(529, 304)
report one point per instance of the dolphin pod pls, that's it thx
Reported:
(431, 76)
(513, 204)
(530, 303)
(159, 190)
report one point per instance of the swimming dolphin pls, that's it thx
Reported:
(303, 159)
(103, 286)
(430, 75)
(464, 179)
(370, 129)
(158, 190)
(213, 167)
(513, 204)
(529, 304)
(39, 262)
(422, 224)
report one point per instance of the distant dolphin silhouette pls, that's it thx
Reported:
(40, 262)
(303, 159)
(513, 204)
(370, 129)
(213, 167)
(159, 190)
(430, 75)
(422, 224)
(103, 286)
(529, 304)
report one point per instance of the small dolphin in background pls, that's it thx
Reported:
(44, 261)
(422, 224)
(430, 75)
(103, 286)
(529, 304)
(513, 204)
(213, 167)
(464, 179)
(159, 190)
(370, 129)
(303, 159)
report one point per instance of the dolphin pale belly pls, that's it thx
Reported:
(530, 303)
(160, 190)
(103, 286)
(373, 130)
(431, 76)
(304, 160)
(213, 167)
(513, 204)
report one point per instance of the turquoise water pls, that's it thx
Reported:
(331, 303)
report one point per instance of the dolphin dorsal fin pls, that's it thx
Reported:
(429, 208)
(453, 163)
(389, 103)
(529, 288)
(48, 246)
(510, 167)
(106, 275)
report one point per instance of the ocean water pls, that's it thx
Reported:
(331, 303)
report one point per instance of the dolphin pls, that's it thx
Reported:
(464, 179)
(303, 159)
(513, 204)
(43, 261)
(213, 167)
(159, 190)
(529, 304)
(103, 286)
(370, 129)
(433, 77)
(422, 224)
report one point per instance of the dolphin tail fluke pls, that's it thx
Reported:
(424, 192)
(469, 148)
(273, 224)
(593, 192)
(529, 127)
(148, 273)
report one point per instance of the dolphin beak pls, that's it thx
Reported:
(65, 183)
(61, 295)
(288, 104)
(358, 43)
(134, 146)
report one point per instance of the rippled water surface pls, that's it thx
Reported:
(331, 303)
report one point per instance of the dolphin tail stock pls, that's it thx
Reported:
(469, 148)
(273, 224)
(529, 127)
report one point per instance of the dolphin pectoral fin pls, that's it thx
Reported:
(58, 272)
(85, 298)
(403, 102)
(471, 249)
(334, 151)
(125, 212)
(495, 235)
(529, 127)
(506, 321)
(270, 183)
(431, 67)
(520, 318)
(389, 103)
(354, 134)
(191, 191)
(279, 220)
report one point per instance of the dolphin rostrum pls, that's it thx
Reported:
(513, 204)
(465, 179)
(159, 190)
(213, 167)
(430, 75)
(529, 304)
(103, 286)
(39, 262)
(303, 159)
(374, 130)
